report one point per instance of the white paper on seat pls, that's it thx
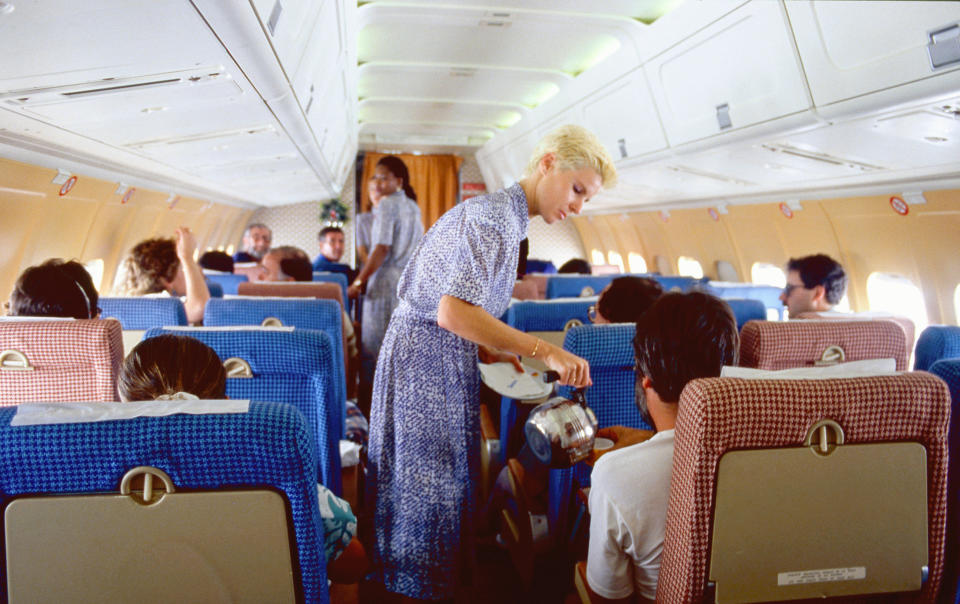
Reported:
(865, 368)
(228, 328)
(34, 414)
(349, 453)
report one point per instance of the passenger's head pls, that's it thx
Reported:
(568, 167)
(56, 288)
(331, 243)
(391, 175)
(625, 299)
(152, 266)
(575, 266)
(256, 240)
(683, 337)
(217, 261)
(286, 263)
(166, 365)
(373, 192)
(814, 284)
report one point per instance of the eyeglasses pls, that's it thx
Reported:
(592, 313)
(789, 288)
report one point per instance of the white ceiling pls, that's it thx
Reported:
(447, 75)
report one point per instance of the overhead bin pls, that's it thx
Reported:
(741, 70)
(877, 54)
(624, 117)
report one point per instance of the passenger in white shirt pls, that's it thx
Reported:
(681, 337)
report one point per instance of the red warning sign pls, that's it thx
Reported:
(126, 196)
(713, 214)
(785, 209)
(65, 188)
(899, 205)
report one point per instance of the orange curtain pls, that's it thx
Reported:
(434, 178)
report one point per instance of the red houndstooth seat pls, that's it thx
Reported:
(292, 289)
(775, 345)
(70, 360)
(720, 415)
(909, 329)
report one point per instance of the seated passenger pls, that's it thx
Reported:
(575, 266)
(624, 300)
(56, 288)
(682, 337)
(171, 367)
(220, 262)
(286, 263)
(331, 251)
(256, 243)
(814, 284)
(166, 267)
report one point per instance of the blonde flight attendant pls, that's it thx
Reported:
(424, 437)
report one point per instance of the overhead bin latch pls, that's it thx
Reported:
(723, 116)
(944, 46)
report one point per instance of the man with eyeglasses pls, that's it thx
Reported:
(814, 284)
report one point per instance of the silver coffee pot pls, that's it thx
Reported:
(561, 432)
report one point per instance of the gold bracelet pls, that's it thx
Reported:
(357, 283)
(533, 354)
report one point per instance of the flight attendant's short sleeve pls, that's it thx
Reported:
(480, 252)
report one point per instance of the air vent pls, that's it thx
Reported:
(820, 157)
(502, 24)
(463, 72)
(950, 109)
(704, 174)
(207, 136)
(106, 86)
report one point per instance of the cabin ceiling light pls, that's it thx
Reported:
(6, 8)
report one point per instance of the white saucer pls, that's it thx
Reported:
(504, 379)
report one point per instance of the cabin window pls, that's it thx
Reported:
(95, 268)
(764, 273)
(230, 249)
(897, 295)
(616, 259)
(726, 272)
(689, 267)
(956, 304)
(596, 257)
(636, 262)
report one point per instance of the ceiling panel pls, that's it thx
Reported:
(472, 37)
(644, 10)
(429, 112)
(440, 82)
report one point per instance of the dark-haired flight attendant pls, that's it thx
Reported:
(424, 437)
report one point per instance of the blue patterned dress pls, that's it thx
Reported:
(424, 452)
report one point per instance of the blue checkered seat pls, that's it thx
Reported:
(575, 286)
(268, 446)
(215, 289)
(228, 282)
(142, 313)
(767, 294)
(935, 343)
(319, 314)
(546, 319)
(949, 371)
(287, 366)
(747, 310)
(609, 350)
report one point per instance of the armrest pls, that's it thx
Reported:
(487, 429)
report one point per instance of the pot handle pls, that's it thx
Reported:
(579, 394)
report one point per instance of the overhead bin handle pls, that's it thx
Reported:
(944, 46)
(723, 116)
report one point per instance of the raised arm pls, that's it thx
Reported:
(197, 293)
(477, 325)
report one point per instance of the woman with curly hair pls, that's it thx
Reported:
(159, 265)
